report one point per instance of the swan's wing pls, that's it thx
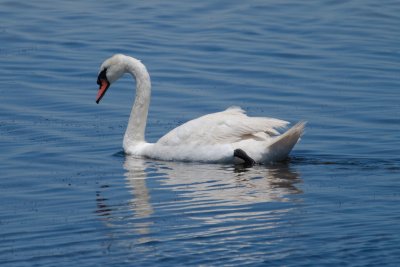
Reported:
(229, 126)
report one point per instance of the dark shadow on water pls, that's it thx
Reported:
(119, 154)
(343, 162)
(347, 162)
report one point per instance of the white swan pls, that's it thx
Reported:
(222, 137)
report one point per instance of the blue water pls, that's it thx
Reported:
(70, 197)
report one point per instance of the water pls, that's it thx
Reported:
(70, 197)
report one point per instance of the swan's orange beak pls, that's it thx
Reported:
(104, 84)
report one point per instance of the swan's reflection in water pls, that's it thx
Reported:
(136, 180)
(171, 200)
(232, 186)
(209, 184)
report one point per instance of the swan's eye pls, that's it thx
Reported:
(102, 76)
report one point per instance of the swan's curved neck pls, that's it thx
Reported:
(137, 121)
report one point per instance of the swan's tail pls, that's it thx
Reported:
(282, 145)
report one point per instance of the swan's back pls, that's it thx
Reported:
(229, 126)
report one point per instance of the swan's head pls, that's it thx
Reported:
(110, 71)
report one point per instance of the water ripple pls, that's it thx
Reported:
(70, 196)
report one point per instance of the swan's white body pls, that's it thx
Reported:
(210, 138)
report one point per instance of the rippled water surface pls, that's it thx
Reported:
(70, 197)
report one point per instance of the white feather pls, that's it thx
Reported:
(226, 127)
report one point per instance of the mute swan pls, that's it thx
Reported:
(229, 136)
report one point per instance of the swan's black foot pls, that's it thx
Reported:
(239, 153)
